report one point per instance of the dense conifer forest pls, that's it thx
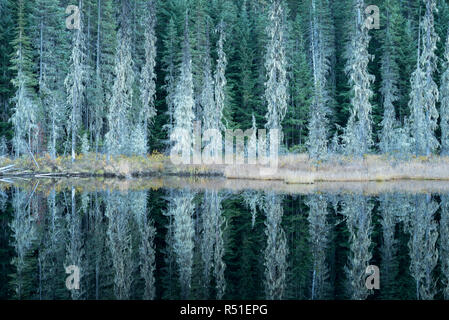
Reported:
(116, 76)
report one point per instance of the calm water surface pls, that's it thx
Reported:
(218, 243)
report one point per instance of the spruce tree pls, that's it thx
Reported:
(75, 81)
(25, 115)
(321, 51)
(357, 138)
(276, 86)
(148, 76)
(220, 79)
(301, 89)
(424, 93)
(390, 77)
(184, 95)
(117, 138)
(444, 107)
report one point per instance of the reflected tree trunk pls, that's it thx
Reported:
(276, 250)
(444, 244)
(357, 211)
(319, 239)
(422, 244)
(120, 244)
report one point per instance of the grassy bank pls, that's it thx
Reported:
(292, 169)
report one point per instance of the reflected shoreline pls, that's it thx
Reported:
(231, 185)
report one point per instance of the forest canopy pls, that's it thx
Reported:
(131, 71)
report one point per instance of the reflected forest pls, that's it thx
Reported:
(209, 244)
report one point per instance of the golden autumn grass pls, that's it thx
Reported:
(292, 169)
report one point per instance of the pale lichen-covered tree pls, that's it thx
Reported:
(422, 245)
(25, 116)
(444, 99)
(357, 137)
(357, 211)
(220, 79)
(390, 78)
(184, 100)
(148, 75)
(321, 34)
(276, 251)
(424, 91)
(117, 138)
(75, 81)
(276, 86)
(319, 241)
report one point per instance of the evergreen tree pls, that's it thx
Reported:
(321, 51)
(117, 138)
(147, 78)
(220, 80)
(301, 90)
(390, 77)
(184, 100)
(357, 138)
(444, 108)
(208, 105)
(25, 114)
(75, 81)
(424, 94)
(276, 93)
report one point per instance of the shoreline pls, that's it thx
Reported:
(292, 169)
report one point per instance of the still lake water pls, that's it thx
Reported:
(149, 239)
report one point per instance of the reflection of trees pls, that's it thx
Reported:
(212, 245)
(119, 240)
(357, 211)
(75, 245)
(51, 251)
(169, 282)
(444, 244)
(389, 204)
(181, 208)
(24, 234)
(146, 247)
(252, 199)
(319, 239)
(276, 249)
(422, 245)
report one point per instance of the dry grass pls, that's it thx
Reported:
(298, 169)
(292, 169)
